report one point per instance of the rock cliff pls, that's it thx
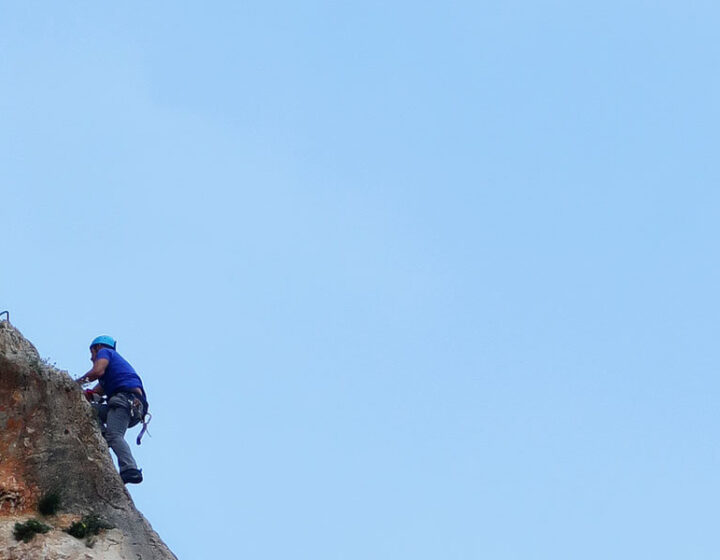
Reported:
(50, 445)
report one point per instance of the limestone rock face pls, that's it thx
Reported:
(50, 442)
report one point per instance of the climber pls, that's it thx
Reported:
(126, 401)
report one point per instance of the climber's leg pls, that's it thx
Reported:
(118, 419)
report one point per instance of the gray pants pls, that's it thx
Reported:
(115, 418)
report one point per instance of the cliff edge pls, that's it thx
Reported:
(50, 444)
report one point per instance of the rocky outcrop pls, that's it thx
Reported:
(50, 442)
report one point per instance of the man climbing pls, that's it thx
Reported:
(126, 401)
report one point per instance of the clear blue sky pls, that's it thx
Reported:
(403, 279)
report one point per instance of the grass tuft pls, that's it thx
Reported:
(89, 525)
(49, 504)
(26, 531)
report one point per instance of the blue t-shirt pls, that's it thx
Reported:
(119, 374)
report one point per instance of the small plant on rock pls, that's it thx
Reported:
(88, 526)
(26, 531)
(49, 504)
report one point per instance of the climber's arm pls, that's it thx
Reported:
(97, 371)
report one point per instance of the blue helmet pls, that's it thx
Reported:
(104, 339)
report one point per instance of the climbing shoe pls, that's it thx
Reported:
(132, 476)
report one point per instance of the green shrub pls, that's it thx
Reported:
(49, 504)
(26, 531)
(89, 525)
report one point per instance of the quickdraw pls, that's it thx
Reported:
(136, 410)
(145, 421)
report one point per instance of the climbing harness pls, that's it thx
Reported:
(138, 410)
